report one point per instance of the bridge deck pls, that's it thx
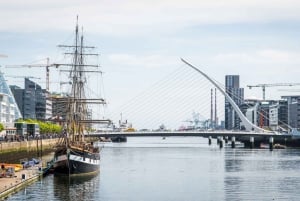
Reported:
(206, 134)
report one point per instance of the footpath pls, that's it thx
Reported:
(22, 178)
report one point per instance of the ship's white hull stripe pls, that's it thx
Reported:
(87, 160)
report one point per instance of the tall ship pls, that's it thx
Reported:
(73, 154)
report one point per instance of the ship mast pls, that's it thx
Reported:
(74, 114)
(77, 112)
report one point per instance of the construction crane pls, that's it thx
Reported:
(289, 90)
(263, 86)
(29, 77)
(48, 65)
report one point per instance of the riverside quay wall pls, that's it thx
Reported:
(13, 151)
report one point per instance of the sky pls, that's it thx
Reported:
(140, 42)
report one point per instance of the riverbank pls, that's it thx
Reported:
(12, 152)
(31, 145)
(10, 185)
(177, 168)
(24, 177)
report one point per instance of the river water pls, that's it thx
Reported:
(178, 168)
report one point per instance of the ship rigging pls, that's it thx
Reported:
(73, 154)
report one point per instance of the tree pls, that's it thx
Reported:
(1, 127)
(45, 127)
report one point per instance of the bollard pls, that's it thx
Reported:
(218, 140)
(271, 140)
(233, 142)
(209, 140)
(221, 143)
(251, 142)
(23, 177)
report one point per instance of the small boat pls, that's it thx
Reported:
(29, 163)
(48, 169)
(275, 146)
(8, 171)
(17, 167)
(264, 146)
(279, 146)
(118, 139)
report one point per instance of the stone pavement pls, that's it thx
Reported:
(10, 185)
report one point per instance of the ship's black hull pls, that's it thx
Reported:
(74, 162)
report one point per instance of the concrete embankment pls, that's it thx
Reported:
(10, 185)
(12, 152)
(30, 145)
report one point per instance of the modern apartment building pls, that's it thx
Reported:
(249, 108)
(32, 101)
(278, 115)
(59, 107)
(232, 85)
(9, 110)
(293, 110)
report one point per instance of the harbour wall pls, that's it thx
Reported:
(14, 151)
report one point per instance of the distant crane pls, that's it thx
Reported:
(38, 65)
(289, 90)
(29, 77)
(263, 86)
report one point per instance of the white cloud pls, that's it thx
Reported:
(261, 56)
(130, 69)
(278, 55)
(136, 16)
(142, 61)
(241, 57)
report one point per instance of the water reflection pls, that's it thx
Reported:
(261, 174)
(76, 188)
(178, 169)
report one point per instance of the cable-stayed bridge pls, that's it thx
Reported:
(179, 98)
(252, 134)
(239, 135)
